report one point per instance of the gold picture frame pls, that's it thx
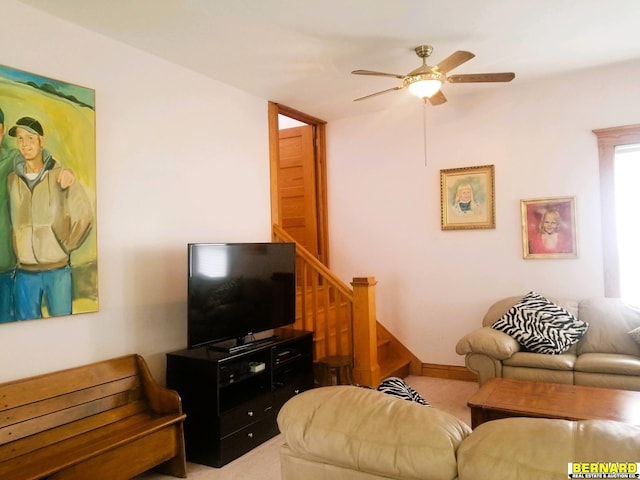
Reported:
(467, 198)
(549, 228)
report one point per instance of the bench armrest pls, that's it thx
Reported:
(161, 400)
(489, 342)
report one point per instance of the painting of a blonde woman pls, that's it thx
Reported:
(548, 228)
(467, 198)
(550, 237)
(464, 202)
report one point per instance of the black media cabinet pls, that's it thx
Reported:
(232, 399)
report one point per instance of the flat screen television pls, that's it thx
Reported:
(236, 290)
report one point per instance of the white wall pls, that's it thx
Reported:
(434, 285)
(180, 158)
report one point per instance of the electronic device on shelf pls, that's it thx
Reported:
(240, 344)
(236, 290)
(285, 354)
(229, 373)
(255, 367)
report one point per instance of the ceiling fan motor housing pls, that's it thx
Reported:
(423, 51)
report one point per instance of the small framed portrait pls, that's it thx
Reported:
(467, 199)
(549, 228)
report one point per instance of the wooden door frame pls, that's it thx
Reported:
(319, 128)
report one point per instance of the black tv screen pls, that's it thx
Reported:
(239, 289)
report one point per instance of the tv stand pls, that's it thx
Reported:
(239, 344)
(232, 398)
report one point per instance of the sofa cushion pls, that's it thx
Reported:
(612, 363)
(528, 448)
(539, 374)
(372, 432)
(540, 325)
(563, 361)
(608, 380)
(610, 320)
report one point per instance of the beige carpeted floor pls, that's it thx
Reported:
(263, 462)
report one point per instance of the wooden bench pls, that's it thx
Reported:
(106, 420)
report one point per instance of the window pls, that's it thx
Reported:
(619, 151)
(626, 177)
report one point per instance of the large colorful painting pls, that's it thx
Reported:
(48, 246)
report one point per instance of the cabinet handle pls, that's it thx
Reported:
(250, 413)
(250, 434)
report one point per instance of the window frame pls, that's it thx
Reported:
(608, 140)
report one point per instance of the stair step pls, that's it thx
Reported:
(397, 367)
(383, 347)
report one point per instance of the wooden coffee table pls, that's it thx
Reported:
(506, 397)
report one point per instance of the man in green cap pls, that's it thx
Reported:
(50, 217)
(8, 157)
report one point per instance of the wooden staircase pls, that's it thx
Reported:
(344, 320)
(394, 358)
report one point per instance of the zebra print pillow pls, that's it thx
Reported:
(398, 388)
(541, 326)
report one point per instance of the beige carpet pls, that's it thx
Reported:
(263, 462)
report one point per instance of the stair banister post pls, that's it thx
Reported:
(366, 370)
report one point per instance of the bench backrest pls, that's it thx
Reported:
(69, 402)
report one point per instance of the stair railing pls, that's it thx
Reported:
(343, 319)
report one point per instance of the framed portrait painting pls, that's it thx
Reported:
(48, 246)
(467, 198)
(549, 228)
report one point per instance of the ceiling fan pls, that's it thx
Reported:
(425, 81)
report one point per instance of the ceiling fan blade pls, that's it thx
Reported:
(399, 87)
(454, 60)
(482, 77)
(437, 98)
(377, 74)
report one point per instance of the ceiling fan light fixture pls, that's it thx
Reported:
(424, 85)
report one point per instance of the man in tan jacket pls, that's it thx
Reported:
(48, 223)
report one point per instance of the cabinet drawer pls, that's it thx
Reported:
(245, 414)
(295, 386)
(240, 442)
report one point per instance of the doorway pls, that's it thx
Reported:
(298, 178)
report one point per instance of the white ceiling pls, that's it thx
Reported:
(300, 52)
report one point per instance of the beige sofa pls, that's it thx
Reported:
(349, 432)
(606, 356)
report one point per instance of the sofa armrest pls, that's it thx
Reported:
(489, 342)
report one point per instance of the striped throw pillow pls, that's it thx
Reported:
(541, 326)
(399, 388)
